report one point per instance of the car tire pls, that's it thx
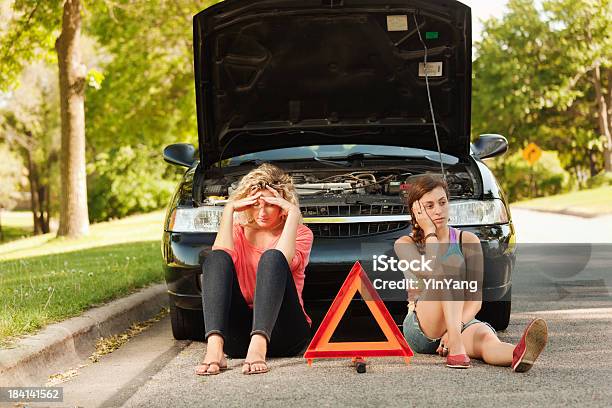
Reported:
(186, 324)
(497, 313)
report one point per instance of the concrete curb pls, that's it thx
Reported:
(68, 343)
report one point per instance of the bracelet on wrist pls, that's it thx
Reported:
(431, 234)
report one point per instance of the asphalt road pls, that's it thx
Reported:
(153, 370)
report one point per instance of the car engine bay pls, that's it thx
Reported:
(384, 184)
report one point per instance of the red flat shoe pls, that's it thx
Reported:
(458, 361)
(531, 345)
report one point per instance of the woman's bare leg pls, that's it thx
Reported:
(452, 318)
(257, 352)
(436, 316)
(481, 343)
(214, 352)
(431, 318)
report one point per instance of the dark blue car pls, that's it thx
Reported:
(339, 94)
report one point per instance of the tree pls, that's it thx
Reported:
(585, 34)
(36, 22)
(536, 79)
(30, 126)
(511, 74)
(10, 173)
(74, 219)
(147, 94)
(27, 34)
(144, 100)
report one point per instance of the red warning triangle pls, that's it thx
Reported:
(396, 345)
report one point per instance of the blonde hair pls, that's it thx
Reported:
(260, 177)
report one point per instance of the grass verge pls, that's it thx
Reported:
(44, 279)
(587, 203)
(16, 225)
(50, 288)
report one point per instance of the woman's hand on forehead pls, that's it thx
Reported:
(276, 193)
(255, 194)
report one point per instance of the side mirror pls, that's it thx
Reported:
(180, 154)
(490, 145)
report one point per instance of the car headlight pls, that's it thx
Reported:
(473, 212)
(201, 219)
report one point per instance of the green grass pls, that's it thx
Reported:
(16, 225)
(144, 227)
(593, 202)
(45, 279)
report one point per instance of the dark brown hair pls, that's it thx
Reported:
(417, 188)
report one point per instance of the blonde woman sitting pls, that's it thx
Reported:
(252, 281)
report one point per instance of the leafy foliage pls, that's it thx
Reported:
(602, 179)
(147, 94)
(10, 174)
(29, 22)
(128, 180)
(30, 126)
(546, 177)
(144, 100)
(140, 95)
(533, 79)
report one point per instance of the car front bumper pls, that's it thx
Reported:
(331, 259)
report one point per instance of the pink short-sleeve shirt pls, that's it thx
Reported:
(246, 258)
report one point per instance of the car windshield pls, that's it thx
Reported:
(337, 152)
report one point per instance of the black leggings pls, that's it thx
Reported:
(276, 314)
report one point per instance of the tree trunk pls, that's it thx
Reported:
(609, 102)
(74, 220)
(46, 207)
(34, 201)
(602, 113)
(592, 162)
(42, 196)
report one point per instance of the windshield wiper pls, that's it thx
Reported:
(258, 162)
(346, 161)
(332, 162)
(362, 156)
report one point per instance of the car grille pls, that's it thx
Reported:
(354, 228)
(353, 209)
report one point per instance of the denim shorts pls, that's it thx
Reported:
(419, 342)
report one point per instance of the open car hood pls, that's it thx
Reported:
(285, 73)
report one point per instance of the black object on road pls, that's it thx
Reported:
(360, 364)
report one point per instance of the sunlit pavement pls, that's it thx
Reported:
(153, 370)
(535, 226)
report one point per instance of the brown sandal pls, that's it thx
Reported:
(249, 363)
(221, 368)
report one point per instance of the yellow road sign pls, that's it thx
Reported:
(532, 153)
